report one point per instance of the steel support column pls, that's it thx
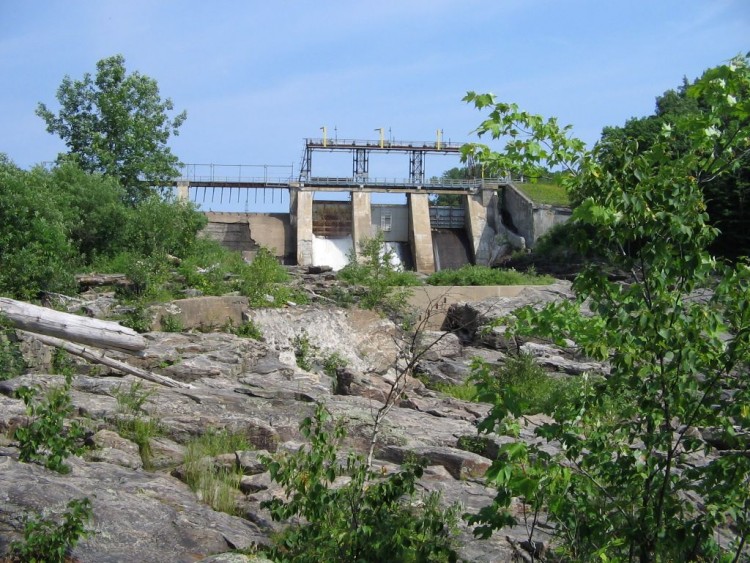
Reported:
(361, 164)
(416, 167)
(306, 167)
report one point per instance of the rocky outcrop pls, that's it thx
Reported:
(257, 389)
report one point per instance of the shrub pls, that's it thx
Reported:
(332, 363)
(373, 268)
(46, 438)
(247, 329)
(46, 540)
(304, 351)
(211, 268)
(371, 517)
(264, 277)
(36, 254)
(523, 384)
(171, 323)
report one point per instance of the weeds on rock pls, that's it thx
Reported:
(247, 329)
(47, 541)
(214, 485)
(333, 362)
(171, 323)
(133, 425)
(12, 363)
(303, 351)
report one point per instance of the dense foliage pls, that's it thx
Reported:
(640, 481)
(56, 222)
(726, 194)
(118, 125)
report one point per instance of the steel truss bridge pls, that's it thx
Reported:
(204, 180)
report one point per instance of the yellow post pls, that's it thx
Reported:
(325, 140)
(437, 134)
(382, 139)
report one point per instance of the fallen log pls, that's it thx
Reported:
(98, 357)
(98, 280)
(84, 330)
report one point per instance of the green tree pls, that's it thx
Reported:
(727, 195)
(634, 478)
(117, 124)
(36, 254)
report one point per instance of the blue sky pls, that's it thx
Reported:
(256, 78)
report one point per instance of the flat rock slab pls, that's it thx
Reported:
(138, 516)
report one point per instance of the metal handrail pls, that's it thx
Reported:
(360, 143)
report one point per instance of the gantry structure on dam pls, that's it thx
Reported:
(261, 184)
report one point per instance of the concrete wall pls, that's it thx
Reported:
(246, 232)
(481, 223)
(531, 220)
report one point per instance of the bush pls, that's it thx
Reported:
(265, 278)
(46, 540)
(211, 268)
(371, 517)
(523, 384)
(36, 254)
(46, 438)
(373, 268)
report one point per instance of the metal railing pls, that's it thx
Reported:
(280, 174)
(329, 142)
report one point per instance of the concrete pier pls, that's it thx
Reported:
(361, 218)
(420, 233)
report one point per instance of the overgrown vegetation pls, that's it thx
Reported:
(369, 517)
(47, 438)
(483, 275)
(215, 485)
(624, 485)
(49, 541)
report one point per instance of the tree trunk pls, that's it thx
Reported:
(95, 332)
(98, 357)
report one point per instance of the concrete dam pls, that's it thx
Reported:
(424, 236)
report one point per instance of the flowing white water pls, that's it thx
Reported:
(333, 252)
(397, 254)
